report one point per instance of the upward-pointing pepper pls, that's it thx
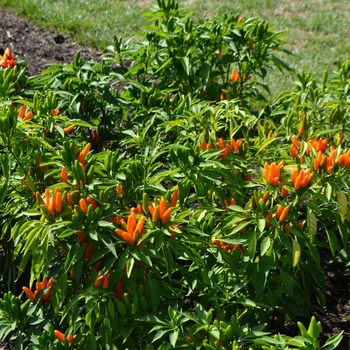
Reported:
(160, 212)
(272, 172)
(83, 153)
(133, 229)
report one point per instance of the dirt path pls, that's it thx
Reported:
(37, 46)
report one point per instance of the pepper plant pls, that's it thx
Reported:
(157, 200)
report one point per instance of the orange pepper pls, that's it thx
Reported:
(151, 209)
(284, 215)
(28, 116)
(297, 183)
(68, 129)
(119, 189)
(316, 164)
(272, 172)
(71, 339)
(235, 144)
(340, 159)
(156, 214)
(301, 131)
(22, 111)
(51, 206)
(131, 224)
(83, 153)
(69, 199)
(162, 207)
(64, 177)
(58, 201)
(90, 200)
(293, 151)
(235, 76)
(166, 216)
(347, 159)
(284, 191)
(125, 236)
(139, 226)
(29, 293)
(83, 205)
(47, 294)
(99, 279)
(105, 283)
(304, 181)
(59, 335)
(47, 197)
(119, 292)
(279, 211)
(137, 210)
(128, 238)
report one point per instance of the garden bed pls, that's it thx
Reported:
(40, 48)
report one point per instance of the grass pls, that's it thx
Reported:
(317, 30)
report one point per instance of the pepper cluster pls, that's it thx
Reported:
(302, 178)
(236, 146)
(272, 172)
(46, 283)
(51, 205)
(8, 59)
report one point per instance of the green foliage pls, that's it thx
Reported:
(165, 218)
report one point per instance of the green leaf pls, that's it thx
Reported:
(160, 334)
(152, 319)
(205, 72)
(130, 133)
(296, 253)
(163, 65)
(245, 302)
(108, 224)
(266, 143)
(334, 341)
(59, 291)
(288, 281)
(265, 245)
(186, 65)
(212, 175)
(173, 338)
(169, 262)
(79, 122)
(5, 163)
(75, 253)
(109, 244)
(153, 294)
(342, 200)
(328, 191)
(343, 229)
(129, 266)
(311, 223)
(332, 240)
(3, 192)
(261, 225)
(111, 309)
(252, 245)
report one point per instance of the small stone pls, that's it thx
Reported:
(59, 39)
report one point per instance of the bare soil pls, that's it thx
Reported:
(40, 47)
(37, 46)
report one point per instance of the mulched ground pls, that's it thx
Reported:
(39, 47)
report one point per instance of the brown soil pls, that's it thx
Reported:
(39, 47)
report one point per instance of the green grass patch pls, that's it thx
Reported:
(317, 31)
